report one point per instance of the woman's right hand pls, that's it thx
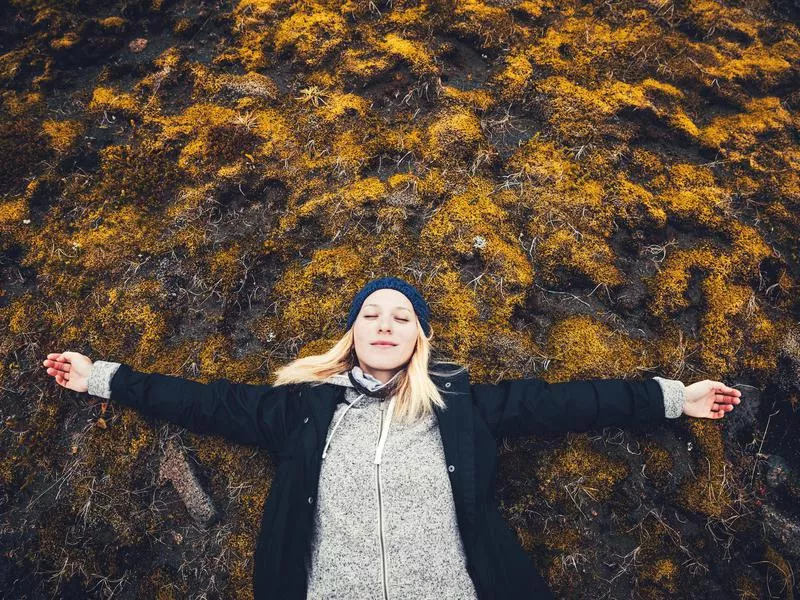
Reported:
(71, 370)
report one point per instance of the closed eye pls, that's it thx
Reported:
(376, 316)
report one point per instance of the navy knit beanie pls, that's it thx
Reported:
(409, 291)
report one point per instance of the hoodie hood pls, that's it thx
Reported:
(365, 379)
(372, 384)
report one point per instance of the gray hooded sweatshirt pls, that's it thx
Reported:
(385, 523)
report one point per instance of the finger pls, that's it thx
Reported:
(59, 366)
(723, 399)
(724, 389)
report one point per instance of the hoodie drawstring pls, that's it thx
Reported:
(344, 412)
(385, 432)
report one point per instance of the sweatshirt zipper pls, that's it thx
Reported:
(380, 516)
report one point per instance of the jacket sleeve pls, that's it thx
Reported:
(519, 407)
(242, 413)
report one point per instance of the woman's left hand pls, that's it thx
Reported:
(710, 399)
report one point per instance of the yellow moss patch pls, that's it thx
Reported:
(542, 161)
(472, 222)
(649, 163)
(678, 119)
(12, 212)
(22, 317)
(534, 8)
(670, 284)
(583, 253)
(658, 462)
(250, 50)
(578, 44)
(337, 105)
(705, 493)
(334, 210)
(66, 41)
(638, 207)
(413, 52)
(666, 89)
(585, 348)
(312, 34)
(578, 463)
(307, 308)
(477, 99)
(579, 205)
(62, 133)
(757, 61)
(782, 568)
(455, 321)
(105, 98)
(724, 301)
(113, 23)
(364, 64)
(456, 132)
(413, 15)
(690, 194)
(100, 247)
(138, 312)
(575, 110)
(217, 135)
(762, 115)
(490, 25)
(710, 15)
(511, 81)
(225, 266)
(663, 572)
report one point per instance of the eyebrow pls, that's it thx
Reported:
(400, 307)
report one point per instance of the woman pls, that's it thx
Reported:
(386, 468)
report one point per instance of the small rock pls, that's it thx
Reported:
(175, 469)
(137, 45)
(782, 530)
(777, 471)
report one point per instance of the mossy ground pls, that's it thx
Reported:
(579, 189)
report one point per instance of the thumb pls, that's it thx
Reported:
(70, 356)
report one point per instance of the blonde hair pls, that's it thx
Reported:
(416, 392)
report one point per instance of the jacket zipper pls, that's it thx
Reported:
(380, 516)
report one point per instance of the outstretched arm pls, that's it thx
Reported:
(242, 413)
(519, 407)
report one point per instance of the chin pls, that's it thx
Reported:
(384, 365)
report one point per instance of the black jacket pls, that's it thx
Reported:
(291, 423)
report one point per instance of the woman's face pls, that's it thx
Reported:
(385, 316)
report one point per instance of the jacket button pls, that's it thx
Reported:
(451, 468)
(310, 500)
(447, 384)
(305, 420)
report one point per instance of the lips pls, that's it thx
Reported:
(389, 344)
